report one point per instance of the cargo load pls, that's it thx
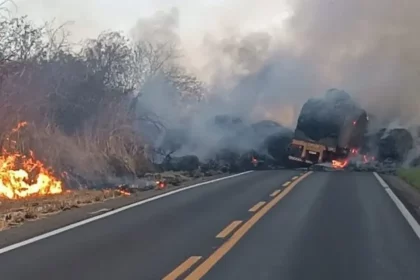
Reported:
(328, 128)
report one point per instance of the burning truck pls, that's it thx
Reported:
(329, 129)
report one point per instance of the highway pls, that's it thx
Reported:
(283, 224)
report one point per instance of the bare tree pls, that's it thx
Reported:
(82, 107)
(110, 58)
(20, 41)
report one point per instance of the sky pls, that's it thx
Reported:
(197, 17)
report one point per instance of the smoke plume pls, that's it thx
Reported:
(368, 48)
(263, 60)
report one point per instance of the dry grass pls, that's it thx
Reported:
(16, 212)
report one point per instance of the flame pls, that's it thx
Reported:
(339, 164)
(254, 161)
(160, 184)
(354, 153)
(23, 176)
(123, 192)
(19, 126)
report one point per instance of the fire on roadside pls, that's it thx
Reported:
(23, 175)
(123, 192)
(160, 184)
(339, 164)
(354, 153)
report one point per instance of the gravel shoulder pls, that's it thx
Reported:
(408, 193)
(24, 219)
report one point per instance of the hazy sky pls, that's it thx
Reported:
(196, 17)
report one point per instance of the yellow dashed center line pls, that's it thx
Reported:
(257, 206)
(294, 178)
(231, 227)
(286, 184)
(275, 193)
(205, 266)
(182, 268)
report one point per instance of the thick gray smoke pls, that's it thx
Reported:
(367, 48)
(162, 28)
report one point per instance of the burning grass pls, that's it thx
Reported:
(23, 175)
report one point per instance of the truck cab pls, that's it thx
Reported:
(307, 152)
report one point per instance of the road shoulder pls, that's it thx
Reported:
(408, 195)
(58, 220)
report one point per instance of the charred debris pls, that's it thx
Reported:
(334, 132)
(335, 122)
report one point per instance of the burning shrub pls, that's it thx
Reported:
(21, 174)
(78, 113)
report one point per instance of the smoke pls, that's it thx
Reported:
(161, 28)
(263, 60)
(367, 48)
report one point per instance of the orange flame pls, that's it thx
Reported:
(123, 192)
(339, 164)
(160, 184)
(354, 153)
(23, 176)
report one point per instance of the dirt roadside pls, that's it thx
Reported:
(66, 216)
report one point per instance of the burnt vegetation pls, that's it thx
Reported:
(85, 111)
(81, 102)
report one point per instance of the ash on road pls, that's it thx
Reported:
(261, 225)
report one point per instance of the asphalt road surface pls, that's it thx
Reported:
(261, 225)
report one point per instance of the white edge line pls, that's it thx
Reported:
(99, 211)
(407, 215)
(92, 219)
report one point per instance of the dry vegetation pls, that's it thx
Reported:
(82, 108)
(15, 212)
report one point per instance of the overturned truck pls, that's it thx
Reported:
(328, 129)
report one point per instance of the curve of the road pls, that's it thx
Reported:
(280, 224)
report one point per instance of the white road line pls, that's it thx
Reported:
(113, 212)
(99, 211)
(407, 215)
